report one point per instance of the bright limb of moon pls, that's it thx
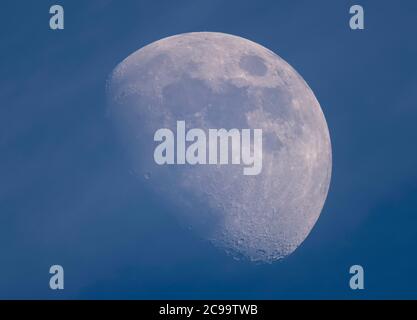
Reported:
(216, 80)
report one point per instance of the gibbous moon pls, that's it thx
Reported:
(215, 80)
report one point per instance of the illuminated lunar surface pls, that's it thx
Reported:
(216, 80)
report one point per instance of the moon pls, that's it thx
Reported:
(217, 80)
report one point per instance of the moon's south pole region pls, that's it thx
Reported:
(212, 81)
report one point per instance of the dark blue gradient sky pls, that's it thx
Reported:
(66, 195)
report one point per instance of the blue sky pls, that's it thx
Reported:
(66, 195)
